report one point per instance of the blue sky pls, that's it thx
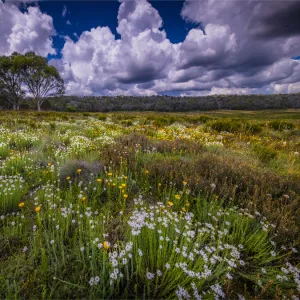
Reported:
(140, 47)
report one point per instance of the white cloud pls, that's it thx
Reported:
(64, 12)
(28, 31)
(229, 56)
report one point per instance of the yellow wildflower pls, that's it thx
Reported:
(79, 171)
(170, 203)
(21, 204)
(105, 245)
(177, 197)
(38, 209)
(68, 177)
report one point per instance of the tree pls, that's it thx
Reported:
(40, 79)
(11, 79)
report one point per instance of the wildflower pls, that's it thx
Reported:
(167, 265)
(150, 275)
(146, 172)
(125, 196)
(68, 177)
(159, 184)
(183, 209)
(25, 249)
(184, 183)
(99, 180)
(83, 199)
(170, 203)
(79, 171)
(21, 204)
(182, 293)
(52, 242)
(273, 253)
(177, 197)
(49, 164)
(38, 209)
(81, 249)
(106, 245)
(140, 252)
(109, 174)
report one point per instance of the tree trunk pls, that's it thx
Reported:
(38, 105)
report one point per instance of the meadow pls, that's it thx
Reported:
(150, 205)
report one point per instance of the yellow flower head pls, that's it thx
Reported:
(159, 184)
(99, 180)
(83, 199)
(49, 164)
(38, 209)
(109, 174)
(170, 203)
(177, 197)
(187, 204)
(184, 183)
(105, 245)
(184, 209)
(123, 184)
(21, 204)
(79, 171)
(125, 196)
(125, 177)
(146, 172)
(68, 177)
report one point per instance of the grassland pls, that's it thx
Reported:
(150, 205)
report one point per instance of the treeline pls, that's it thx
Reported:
(162, 103)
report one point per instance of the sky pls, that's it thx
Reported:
(181, 48)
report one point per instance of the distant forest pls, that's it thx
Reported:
(162, 103)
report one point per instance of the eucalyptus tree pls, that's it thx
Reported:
(11, 79)
(40, 79)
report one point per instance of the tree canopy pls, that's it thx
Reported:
(29, 73)
(11, 79)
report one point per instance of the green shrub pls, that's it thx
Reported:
(229, 125)
(264, 153)
(281, 125)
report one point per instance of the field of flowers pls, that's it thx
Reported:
(150, 205)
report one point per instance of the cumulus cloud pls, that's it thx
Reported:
(30, 30)
(241, 47)
(106, 65)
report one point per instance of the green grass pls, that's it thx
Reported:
(149, 205)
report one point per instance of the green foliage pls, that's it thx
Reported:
(264, 153)
(281, 125)
(230, 125)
